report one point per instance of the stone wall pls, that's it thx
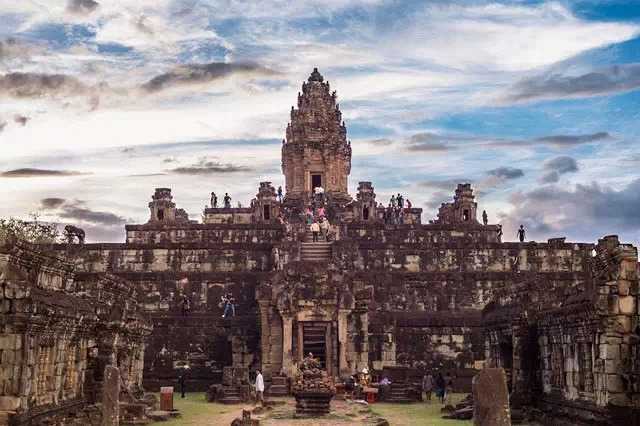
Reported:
(58, 333)
(575, 355)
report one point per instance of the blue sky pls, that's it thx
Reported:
(533, 102)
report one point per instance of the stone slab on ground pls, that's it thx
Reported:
(491, 398)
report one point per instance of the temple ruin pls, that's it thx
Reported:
(560, 317)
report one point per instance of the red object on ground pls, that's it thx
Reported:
(371, 397)
(166, 398)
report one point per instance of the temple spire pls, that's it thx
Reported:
(316, 152)
(316, 76)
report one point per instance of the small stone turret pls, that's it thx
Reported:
(266, 207)
(365, 205)
(462, 210)
(316, 152)
(163, 209)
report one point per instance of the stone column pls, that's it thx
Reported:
(265, 337)
(287, 356)
(110, 395)
(343, 367)
(329, 350)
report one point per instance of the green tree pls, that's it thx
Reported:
(32, 231)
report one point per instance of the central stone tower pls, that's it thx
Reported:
(316, 152)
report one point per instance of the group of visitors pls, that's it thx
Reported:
(226, 199)
(399, 201)
(228, 302)
(320, 227)
(442, 386)
(394, 214)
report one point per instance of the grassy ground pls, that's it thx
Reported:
(196, 411)
(427, 414)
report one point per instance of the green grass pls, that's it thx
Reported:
(196, 411)
(423, 414)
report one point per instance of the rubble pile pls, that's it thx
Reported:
(462, 411)
(313, 389)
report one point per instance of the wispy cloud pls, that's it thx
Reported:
(38, 85)
(506, 173)
(193, 74)
(558, 166)
(82, 6)
(602, 81)
(208, 167)
(29, 172)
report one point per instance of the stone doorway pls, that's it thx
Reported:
(316, 180)
(316, 337)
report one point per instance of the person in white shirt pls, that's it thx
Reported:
(259, 387)
(324, 228)
(315, 229)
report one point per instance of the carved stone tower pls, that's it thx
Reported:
(462, 210)
(316, 152)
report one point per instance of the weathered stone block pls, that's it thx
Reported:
(9, 403)
(627, 305)
(615, 383)
(624, 287)
(491, 398)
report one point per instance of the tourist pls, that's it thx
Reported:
(214, 200)
(448, 389)
(440, 387)
(182, 380)
(280, 193)
(409, 205)
(259, 387)
(521, 233)
(309, 215)
(427, 385)
(324, 228)
(392, 203)
(400, 200)
(385, 388)
(321, 212)
(485, 218)
(229, 306)
(186, 305)
(349, 386)
(227, 201)
(315, 230)
(499, 232)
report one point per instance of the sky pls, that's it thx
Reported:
(536, 103)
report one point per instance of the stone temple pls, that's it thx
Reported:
(560, 317)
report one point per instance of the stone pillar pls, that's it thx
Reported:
(265, 337)
(110, 395)
(329, 350)
(491, 398)
(287, 356)
(343, 367)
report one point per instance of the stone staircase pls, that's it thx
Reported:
(399, 393)
(279, 386)
(232, 395)
(315, 252)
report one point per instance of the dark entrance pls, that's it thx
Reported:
(316, 181)
(267, 212)
(314, 340)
